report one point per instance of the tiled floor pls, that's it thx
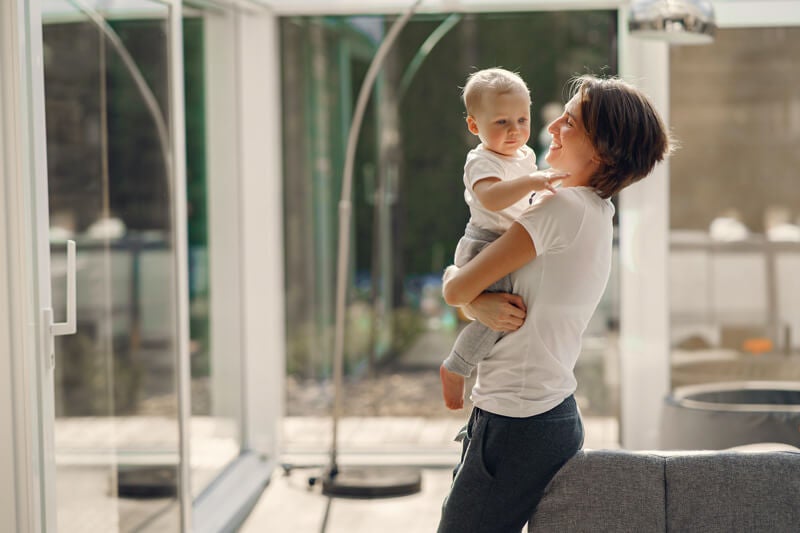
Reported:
(91, 452)
(291, 505)
(288, 506)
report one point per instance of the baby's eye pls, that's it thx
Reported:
(523, 120)
(501, 121)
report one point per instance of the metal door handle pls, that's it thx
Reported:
(52, 329)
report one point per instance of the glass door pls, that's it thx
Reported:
(112, 189)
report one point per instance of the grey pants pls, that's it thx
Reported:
(475, 341)
(506, 463)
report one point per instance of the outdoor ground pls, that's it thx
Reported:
(409, 385)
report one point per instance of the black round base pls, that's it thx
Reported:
(372, 482)
(147, 481)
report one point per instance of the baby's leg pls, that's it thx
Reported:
(475, 341)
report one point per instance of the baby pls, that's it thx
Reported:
(500, 178)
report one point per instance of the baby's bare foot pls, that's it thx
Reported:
(452, 388)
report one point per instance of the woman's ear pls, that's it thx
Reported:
(472, 125)
(597, 158)
(596, 162)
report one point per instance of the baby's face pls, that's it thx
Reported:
(503, 122)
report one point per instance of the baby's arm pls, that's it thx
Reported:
(496, 194)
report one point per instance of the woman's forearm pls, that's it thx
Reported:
(509, 252)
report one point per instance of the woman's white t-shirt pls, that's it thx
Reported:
(531, 370)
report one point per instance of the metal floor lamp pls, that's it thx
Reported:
(360, 481)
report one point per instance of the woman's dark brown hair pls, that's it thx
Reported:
(623, 126)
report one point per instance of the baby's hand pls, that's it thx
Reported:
(546, 179)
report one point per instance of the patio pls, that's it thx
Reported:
(289, 504)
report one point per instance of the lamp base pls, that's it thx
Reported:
(371, 482)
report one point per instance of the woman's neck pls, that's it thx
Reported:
(581, 180)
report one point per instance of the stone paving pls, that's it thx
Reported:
(290, 505)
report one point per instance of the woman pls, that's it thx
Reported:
(525, 424)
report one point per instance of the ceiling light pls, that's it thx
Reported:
(673, 21)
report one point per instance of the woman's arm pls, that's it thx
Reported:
(508, 253)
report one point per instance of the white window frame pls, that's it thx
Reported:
(245, 210)
(245, 203)
(27, 465)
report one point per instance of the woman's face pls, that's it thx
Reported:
(571, 150)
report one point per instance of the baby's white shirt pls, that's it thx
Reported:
(483, 163)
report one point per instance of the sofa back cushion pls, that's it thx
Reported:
(733, 491)
(604, 491)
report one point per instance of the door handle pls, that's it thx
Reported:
(51, 329)
(70, 326)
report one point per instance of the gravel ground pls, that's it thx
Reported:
(409, 386)
(390, 393)
(406, 386)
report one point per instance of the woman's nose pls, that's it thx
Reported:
(553, 126)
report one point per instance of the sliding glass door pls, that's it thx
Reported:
(112, 188)
(168, 303)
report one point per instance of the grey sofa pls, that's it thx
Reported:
(642, 492)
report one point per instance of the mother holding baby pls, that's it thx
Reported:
(525, 423)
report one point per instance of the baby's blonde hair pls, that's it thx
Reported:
(490, 81)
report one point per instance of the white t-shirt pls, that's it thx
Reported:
(483, 163)
(530, 371)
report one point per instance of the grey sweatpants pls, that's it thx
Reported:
(476, 340)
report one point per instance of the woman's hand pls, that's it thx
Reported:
(499, 311)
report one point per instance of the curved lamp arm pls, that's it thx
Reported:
(345, 211)
(138, 78)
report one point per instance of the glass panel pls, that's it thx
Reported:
(211, 113)
(109, 157)
(409, 213)
(735, 208)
